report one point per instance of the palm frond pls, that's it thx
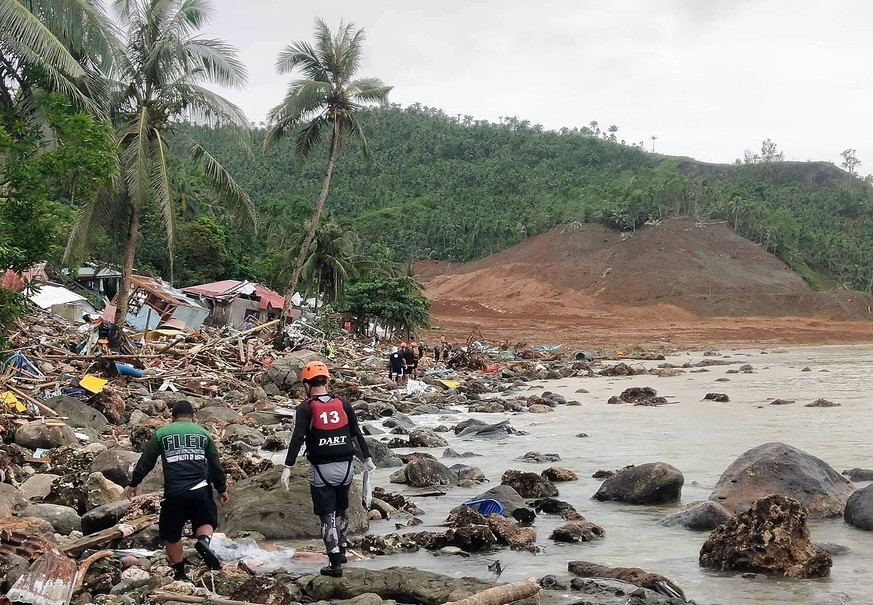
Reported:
(285, 117)
(190, 16)
(205, 103)
(162, 185)
(355, 130)
(301, 55)
(369, 90)
(218, 60)
(136, 158)
(225, 187)
(349, 50)
(310, 136)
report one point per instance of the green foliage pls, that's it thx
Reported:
(394, 302)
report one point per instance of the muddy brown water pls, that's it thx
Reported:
(701, 438)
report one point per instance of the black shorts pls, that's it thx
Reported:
(197, 506)
(330, 499)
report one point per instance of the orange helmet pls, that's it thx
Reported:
(313, 369)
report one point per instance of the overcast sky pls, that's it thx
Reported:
(710, 78)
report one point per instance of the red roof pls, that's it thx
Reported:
(231, 288)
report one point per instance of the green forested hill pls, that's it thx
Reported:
(457, 189)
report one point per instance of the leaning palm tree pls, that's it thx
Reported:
(326, 100)
(56, 45)
(162, 80)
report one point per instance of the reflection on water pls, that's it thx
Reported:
(701, 439)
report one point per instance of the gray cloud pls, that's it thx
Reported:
(709, 77)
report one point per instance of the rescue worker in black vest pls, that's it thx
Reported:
(327, 425)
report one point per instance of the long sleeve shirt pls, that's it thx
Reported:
(189, 457)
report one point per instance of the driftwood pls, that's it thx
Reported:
(86, 564)
(162, 596)
(107, 535)
(502, 595)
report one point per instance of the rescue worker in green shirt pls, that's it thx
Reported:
(191, 469)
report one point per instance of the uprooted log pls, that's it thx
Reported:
(631, 575)
(122, 530)
(502, 595)
(162, 596)
(86, 564)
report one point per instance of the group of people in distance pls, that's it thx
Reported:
(403, 361)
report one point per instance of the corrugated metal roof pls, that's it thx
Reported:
(49, 581)
(230, 288)
(49, 296)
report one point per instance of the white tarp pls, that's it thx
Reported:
(49, 296)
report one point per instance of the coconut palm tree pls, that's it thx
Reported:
(162, 77)
(56, 45)
(326, 101)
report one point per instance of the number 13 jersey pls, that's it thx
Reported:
(329, 438)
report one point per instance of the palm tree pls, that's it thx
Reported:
(161, 79)
(57, 45)
(654, 138)
(326, 100)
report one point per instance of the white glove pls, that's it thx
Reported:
(369, 467)
(286, 477)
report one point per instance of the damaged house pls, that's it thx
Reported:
(154, 302)
(232, 302)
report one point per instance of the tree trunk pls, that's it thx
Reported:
(503, 594)
(127, 268)
(301, 257)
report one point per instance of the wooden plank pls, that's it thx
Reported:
(108, 535)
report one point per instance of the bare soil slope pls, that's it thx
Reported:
(680, 271)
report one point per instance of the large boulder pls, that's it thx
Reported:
(246, 434)
(777, 468)
(506, 495)
(64, 519)
(652, 483)
(700, 516)
(771, 537)
(12, 500)
(104, 517)
(44, 434)
(381, 454)
(284, 373)
(428, 472)
(578, 531)
(529, 485)
(101, 491)
(859, 509)
(859, 474)
(401, 584)
(116, 465)
(76, 413)
(261, 504)
(38, 486)
(426, 438)
(217, 414)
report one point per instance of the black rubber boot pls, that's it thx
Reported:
(179, 571)
(342, 555)
(202, 548)
(335, 569)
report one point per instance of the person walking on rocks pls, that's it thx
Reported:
(191, 469)
(327, 425)
(395, 365)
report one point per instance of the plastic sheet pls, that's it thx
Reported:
(247, 549)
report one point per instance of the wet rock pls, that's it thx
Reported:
(427, 472)
(386, 544)
(116, 465)
(509, 499)
(822, 403)
(859, 509)
(835, 550)
(557, 474)
(652, 483)
(262, 589)
(671, 372)
(370, 430)
(426, 438)
(578, 531)
(102, 576)
(216, 414)
(529, 485)
(278, 441)
(402, 584)
(284, 373)
(854, 474)
(450, 453)
(140, 435)
(777, 468)
(382, 455)
(260, 503)
(700, 516)
(538, 458)
(771, 537)
(582, 435)
(551, 506)
(717, 397)
(246, 434)
(64, 519)
(621, 369)
(42, 434)
(38, 487)
(472, 538)
(631, 575)
(508, 532)
(487, 430)
(12, 500)
(104, 517)
(646, 396)
(77, 414)
(782, 402)
(469, 473)
(746, 368)
(101, 490)
(603, 474)
(540, 409)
